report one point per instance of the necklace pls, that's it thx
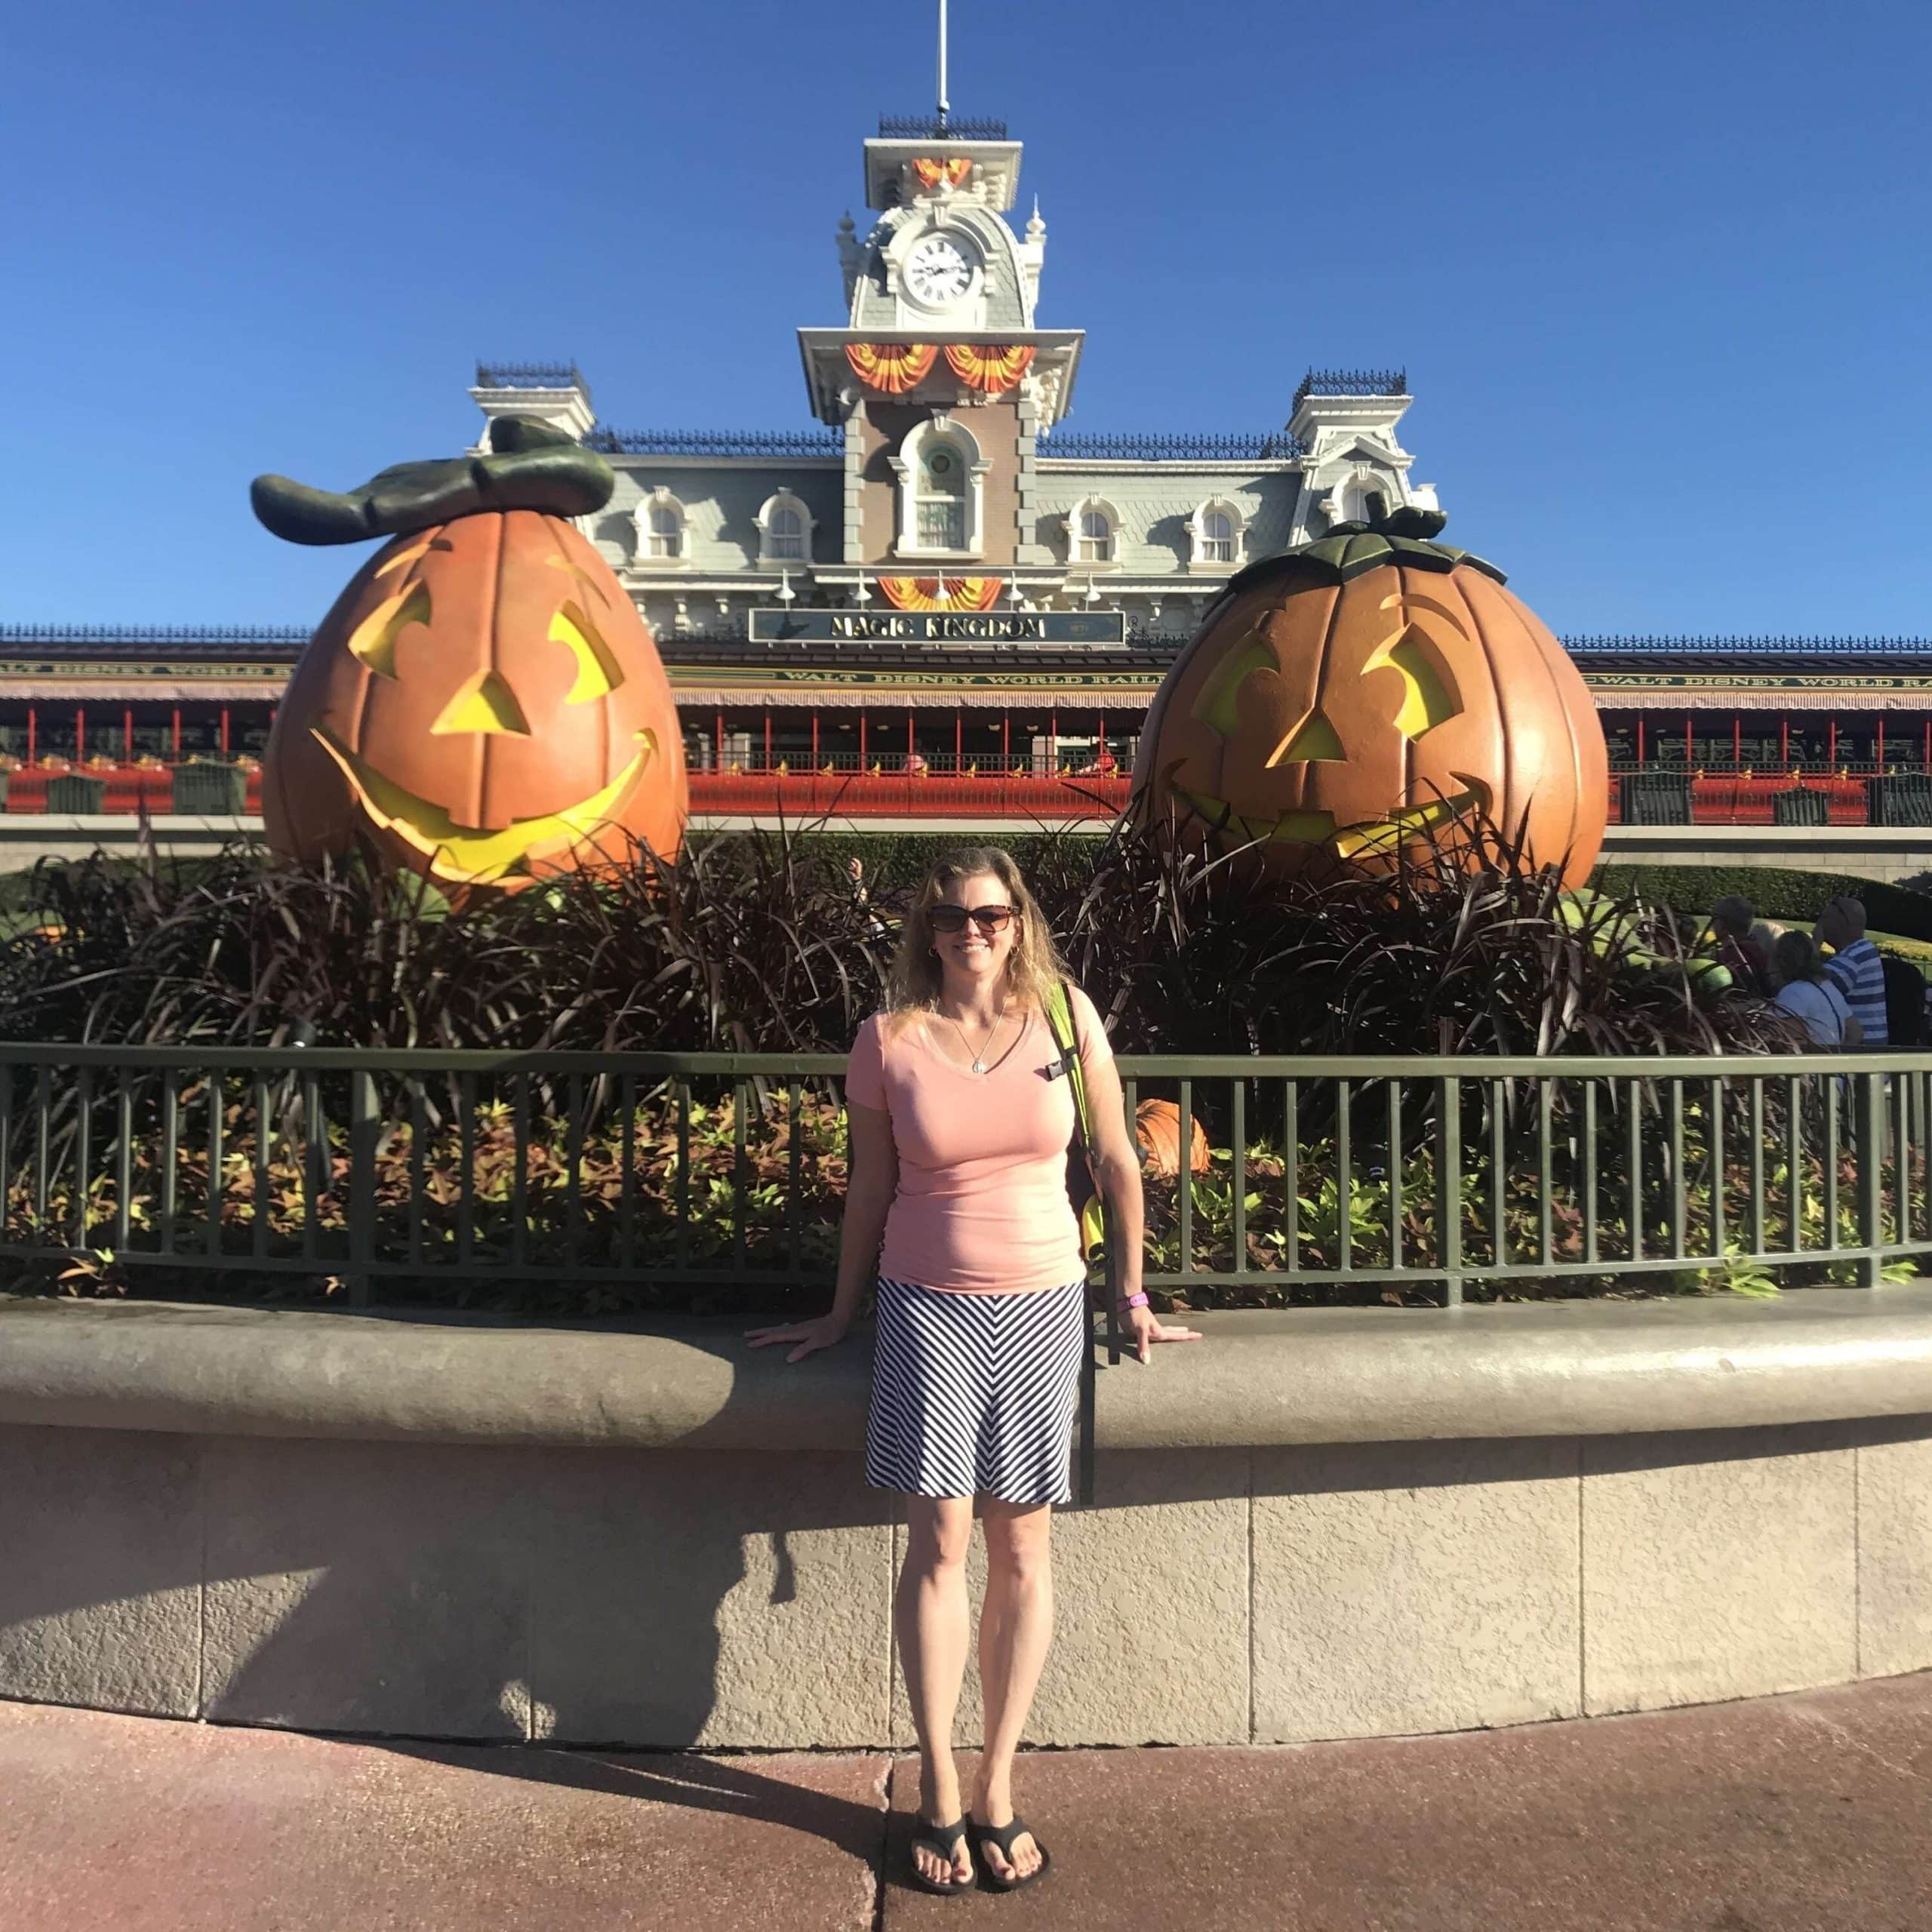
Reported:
(979, 1057)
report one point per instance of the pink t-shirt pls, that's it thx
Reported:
(982, 1206)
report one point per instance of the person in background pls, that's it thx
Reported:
(1854, 966)
(1905, 1001)
(861, 897)
(1738, 946)
(1806, 990)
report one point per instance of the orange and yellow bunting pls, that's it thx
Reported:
(932, 593)
(989, 366)
(892, 367)
(931, 174)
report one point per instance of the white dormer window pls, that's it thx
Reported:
(1093, 525)
(788, 533)
(1217, 529)
(785, 529)
(1364, 500)
(942, 482)
(662, 530)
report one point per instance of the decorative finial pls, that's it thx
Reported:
(1036, 229)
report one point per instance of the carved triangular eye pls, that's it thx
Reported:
(485, 703)
(1313, 739)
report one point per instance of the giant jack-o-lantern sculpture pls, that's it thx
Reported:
(1369, 692)
(483, 704)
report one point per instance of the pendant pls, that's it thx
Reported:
(979, 1066)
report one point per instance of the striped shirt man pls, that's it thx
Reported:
(1857, 973)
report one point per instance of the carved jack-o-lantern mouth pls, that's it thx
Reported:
(474, 855)
(1376, 839)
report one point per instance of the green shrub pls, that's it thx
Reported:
(896, 861)
(1779, 892)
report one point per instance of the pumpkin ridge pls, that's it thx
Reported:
(1481, 637)
(1551, 671)
(365, 679)
(1323, 665)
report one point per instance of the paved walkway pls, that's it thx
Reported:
(1807, 1814)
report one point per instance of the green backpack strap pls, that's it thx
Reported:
(1060, 1023)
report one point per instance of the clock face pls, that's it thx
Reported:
(938, 271)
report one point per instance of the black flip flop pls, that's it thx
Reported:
(1003, 1835)
(943, 1841)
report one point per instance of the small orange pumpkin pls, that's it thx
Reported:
(484, 703)
(1359, 695)
(1157, 1127)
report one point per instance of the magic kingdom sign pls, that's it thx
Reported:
(938, 627)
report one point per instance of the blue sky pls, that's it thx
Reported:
(1659, 273)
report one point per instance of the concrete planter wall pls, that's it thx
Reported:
(1324, 1525)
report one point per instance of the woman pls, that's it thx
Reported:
(960, 1115)
(1805, 989)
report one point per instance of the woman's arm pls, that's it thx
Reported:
(1117, 1169)
(871, 1181)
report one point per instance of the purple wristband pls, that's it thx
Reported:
(1131, 1301)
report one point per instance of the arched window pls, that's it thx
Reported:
(941, 477)
(661, 532)
(788, 532)
(1363, 500)
(1092, 535)
(940, 519)
(1217, 528)
(785, 529)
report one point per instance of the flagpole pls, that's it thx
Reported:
(942, 105)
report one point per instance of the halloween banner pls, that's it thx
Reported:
(931, 174)
(892, 367)
(932, 593)
(991, 367)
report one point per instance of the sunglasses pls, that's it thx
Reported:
(952, 919)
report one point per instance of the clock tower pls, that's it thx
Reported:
(941, 381)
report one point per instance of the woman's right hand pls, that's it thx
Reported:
(824, 1332)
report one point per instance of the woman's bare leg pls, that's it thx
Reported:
(1015, 1626)
(933, 1620)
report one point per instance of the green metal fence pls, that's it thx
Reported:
(630, 1180)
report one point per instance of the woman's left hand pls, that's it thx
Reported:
(1147, 1328)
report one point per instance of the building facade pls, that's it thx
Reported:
(935, 473)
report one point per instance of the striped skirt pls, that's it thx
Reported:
(975, 1394)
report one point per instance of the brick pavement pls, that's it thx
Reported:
(1806, 1813)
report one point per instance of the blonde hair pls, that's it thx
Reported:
(1033, 966)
